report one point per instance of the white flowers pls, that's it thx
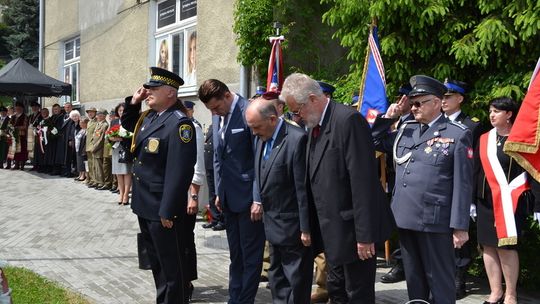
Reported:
(124, 133)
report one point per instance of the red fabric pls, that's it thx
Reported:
(498, 213)
(523, 141)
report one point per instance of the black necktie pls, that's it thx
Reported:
(423, 129)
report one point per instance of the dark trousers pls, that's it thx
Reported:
(164, 247)
(190, 252)
(352, 283)
(430, 266)
(290, 274)
(246, 245)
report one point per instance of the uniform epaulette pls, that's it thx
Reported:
(475, 119)
(459, 124)
(179, 114)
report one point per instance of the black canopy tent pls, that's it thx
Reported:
(19, 78)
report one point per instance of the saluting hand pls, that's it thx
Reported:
(139, 95)
(256, 212)
(396, 109)
(166, 223)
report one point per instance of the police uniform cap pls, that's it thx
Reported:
(455, 86)
(326, 87)
(188, 104)
(3, 109)
(405, 89)
(35, 104)
(91, 109)
(425, 85)
(260, 90)
(160, 77)
(102, 111)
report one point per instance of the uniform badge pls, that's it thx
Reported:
(186, 133)
(428, 149)
(152, 146)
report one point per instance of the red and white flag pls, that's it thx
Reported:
(523, 143)
(274, 81)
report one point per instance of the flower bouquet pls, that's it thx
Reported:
(117, 132)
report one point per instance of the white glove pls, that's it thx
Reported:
(536, 216)
(472, 212)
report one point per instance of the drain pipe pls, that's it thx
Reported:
(245, 75)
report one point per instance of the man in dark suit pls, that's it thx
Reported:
(237, 195)
(4, 121)
(344, 186)
(216, 223)
(280, 170)
(451, 106)
(434, 161)
(165, 152)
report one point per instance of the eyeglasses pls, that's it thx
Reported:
(418, 104)
(297, 112)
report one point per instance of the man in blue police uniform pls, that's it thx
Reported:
(164, 147)
(434, 163)
(451, 106)
(237, 195)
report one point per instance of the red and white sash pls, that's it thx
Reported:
(505, 195)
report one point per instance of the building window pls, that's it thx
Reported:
(176, 40)
(72, 53)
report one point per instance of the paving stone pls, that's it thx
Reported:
(82, 239)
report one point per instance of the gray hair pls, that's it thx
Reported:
(300, 86)
(264, 107)
(74, 113)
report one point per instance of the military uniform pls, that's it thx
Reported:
(164, 149)
(97, 143)
(90, 177)
(431, 197)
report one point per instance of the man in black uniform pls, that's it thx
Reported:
(165, 153)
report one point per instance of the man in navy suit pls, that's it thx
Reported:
(237, 195)
(280, 171)
(164, 146)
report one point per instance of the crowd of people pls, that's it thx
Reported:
(62, 142)
(295, 180)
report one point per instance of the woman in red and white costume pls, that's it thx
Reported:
(501, 209)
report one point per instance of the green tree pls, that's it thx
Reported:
(308, 47)
(492, 45)
(21, 37)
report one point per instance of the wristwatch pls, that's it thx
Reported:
(195, 197)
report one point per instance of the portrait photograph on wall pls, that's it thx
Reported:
(163, 54)
(190, 76)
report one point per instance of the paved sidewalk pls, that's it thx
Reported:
(82, 239)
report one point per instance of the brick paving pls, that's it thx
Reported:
(82, 239)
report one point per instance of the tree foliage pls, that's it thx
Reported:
(21, 33)
(308, 45)
(492, 45)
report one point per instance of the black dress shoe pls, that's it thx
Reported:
(104, 188)
(208, 225)
(218, 227)
(499, 301)
(396, 274)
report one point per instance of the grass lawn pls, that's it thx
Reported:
(30, 288)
